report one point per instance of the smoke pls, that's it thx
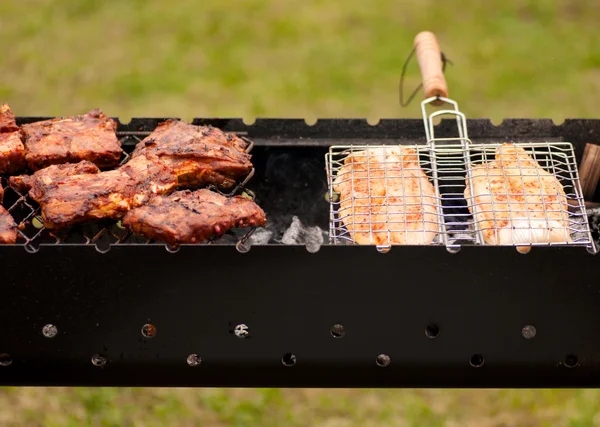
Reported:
(297, 234)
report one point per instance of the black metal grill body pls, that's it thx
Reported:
(289, 298)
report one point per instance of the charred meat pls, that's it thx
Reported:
(192, 216)
(12, 153)
(49, 176)
(84, 196)
(91, 136)
(8, 227)
(12, 150)
(7, 120)
(199, 155)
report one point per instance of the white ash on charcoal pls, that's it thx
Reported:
(261, 236)
(298, 234)
(594, 219)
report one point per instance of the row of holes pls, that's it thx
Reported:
(289, 359)
(336, 331)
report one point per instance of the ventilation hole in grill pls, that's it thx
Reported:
(172, 248)
(288, 359)
(383, 360)
(477, 361)
(98, 360)
(311, 120)
(373, 121)
(149, 330)
(5, 359)
(337, 331)
(571, 361)
(49, 330)
(432, 330)
(383, 249)
(529, 332)
(242, 247)
(241, 331)
(194, 360)
(249, 121)
(453, 249)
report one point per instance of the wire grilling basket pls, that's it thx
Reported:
(452, 192)
(104, 233)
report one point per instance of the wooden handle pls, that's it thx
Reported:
(589, 170)
(429, 57)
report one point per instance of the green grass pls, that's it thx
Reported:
(295, 58)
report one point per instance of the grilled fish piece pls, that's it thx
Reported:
(80, 197)
(12, 150)
(386, 198)
(8, 227)
(516, 202)
(192, 217)
(91, 136)
(199, 155)
(40, 179)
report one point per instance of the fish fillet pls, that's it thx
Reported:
(516, 201)
(386, 198)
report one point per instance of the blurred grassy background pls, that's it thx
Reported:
(295, 58)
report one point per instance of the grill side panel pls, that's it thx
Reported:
(289, 299)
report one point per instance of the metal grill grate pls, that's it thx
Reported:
(363, 211)
(104, 233)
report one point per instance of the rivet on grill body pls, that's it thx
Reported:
(98, 360)
(194, 360)
(529, 332)
(49, 330)
(241, 331)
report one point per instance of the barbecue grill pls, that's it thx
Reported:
(289, 305)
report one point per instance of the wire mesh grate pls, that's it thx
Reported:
(103, 233)
(529, 196)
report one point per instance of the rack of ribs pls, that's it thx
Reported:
(192, 216)
(12, 150)
(75, 193)
(91, 136)
(199, 155)
(8, 227)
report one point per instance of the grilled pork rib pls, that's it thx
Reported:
(192, 217)
(91, 136)
(8, 122)
(515, 201)
(12, 150)
(8, 227)
(199, 155)
(40, 179)
(88, 194)
(386, 198)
